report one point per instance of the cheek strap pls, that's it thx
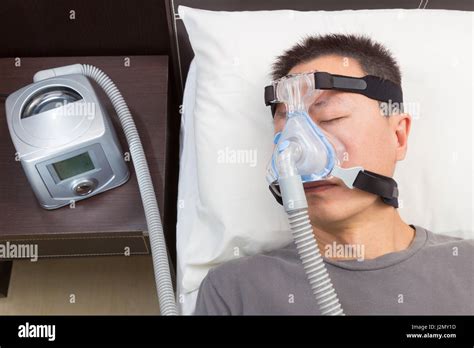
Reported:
(367, 181)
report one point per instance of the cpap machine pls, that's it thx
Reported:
(69, 150)
(64, 140)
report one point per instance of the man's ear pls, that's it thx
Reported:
(401, 124)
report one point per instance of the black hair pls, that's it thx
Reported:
(372, 56)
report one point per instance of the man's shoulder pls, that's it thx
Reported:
(441, 240)
(229, 286)
(248, 265)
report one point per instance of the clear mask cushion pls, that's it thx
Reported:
(318, 154)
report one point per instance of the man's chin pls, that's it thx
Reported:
(335, 204)
(327, 195)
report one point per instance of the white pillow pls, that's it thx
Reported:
(225, 209)
(187, 190)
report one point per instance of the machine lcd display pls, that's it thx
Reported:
(73, 166)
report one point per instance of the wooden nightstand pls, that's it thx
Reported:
(111, 222)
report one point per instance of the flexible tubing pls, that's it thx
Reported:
(159, 253)
(313, 264)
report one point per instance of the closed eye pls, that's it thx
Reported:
(333, 120)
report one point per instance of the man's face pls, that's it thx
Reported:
(371, 140)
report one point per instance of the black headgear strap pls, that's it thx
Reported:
(371, 86)
(379, 185)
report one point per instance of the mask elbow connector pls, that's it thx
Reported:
(291, 185)
(289, 152)
(292, 193)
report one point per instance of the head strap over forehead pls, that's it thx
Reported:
(371, 86)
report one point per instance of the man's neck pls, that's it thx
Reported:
(376, 232)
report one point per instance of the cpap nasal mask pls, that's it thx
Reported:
(306, 153)
(317, 154)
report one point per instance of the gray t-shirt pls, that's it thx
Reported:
(434, 275)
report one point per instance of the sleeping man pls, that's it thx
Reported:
(378, 263)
